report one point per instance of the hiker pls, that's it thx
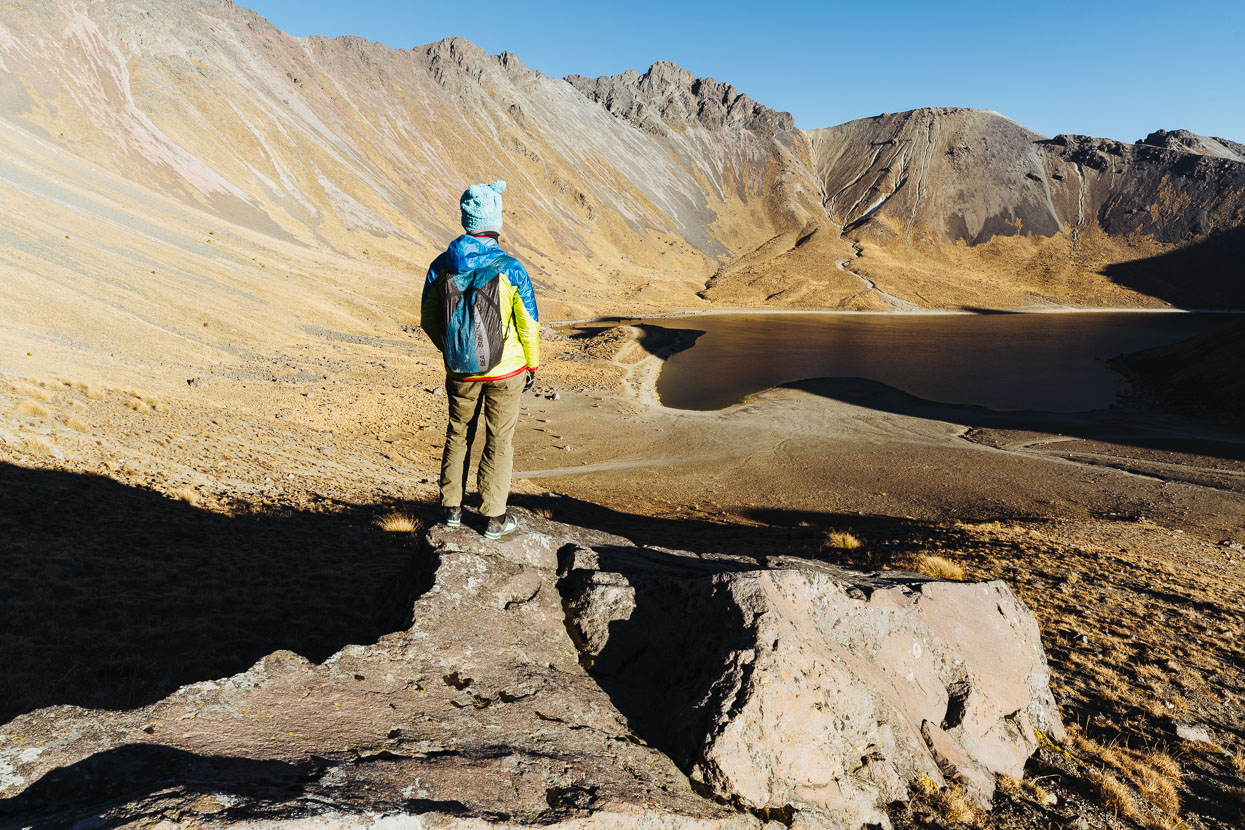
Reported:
(479, 310)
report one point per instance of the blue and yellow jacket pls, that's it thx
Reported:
(517, 301)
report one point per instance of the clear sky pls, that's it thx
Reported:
(1112, 69)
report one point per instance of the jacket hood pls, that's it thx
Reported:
(467, 253)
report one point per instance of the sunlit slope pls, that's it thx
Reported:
(276, 183)
(967, 207)
(195, 138)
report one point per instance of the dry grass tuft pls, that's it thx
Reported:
(138, 405)
(1155, 774)
(78, 424)
(1115, 794)
(161, 407)
(79, 407)
(187, 495)
(95, 393)
(1165, 764)
(32, 408)
(1025, 788)
(1158, 790)
(841, 540)
(1203, 748)
(32, 391)
(939, 567)
(398, 523)
(950, 802)
(1238, 764)
(38, 446)
(1009, 785)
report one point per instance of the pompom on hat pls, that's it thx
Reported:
(481, 207)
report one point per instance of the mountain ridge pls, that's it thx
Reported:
(133, 130)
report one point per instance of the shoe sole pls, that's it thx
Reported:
(488, 534)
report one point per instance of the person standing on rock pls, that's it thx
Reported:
(479, 309)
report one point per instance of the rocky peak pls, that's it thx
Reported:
(667, 95)
(1188, 142)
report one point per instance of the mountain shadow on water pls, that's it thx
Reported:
(1206, 274)
(113, 596)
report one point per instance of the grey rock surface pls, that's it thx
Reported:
(798, 684)
(565, 677)
(1188, 142)
(668, 95)
(975, 174)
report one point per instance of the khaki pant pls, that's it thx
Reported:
(500, 401)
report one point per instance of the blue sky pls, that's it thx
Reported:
(1111, 69)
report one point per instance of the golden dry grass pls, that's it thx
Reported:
(1115, 794)
(1238, 764)
(78, 424)
(38, 446)
(1154, 774)
(1165, 764)
(187, 495)
(32, 391)
(1024, 788)
(949, 802)
(32, 408)
(138, 405)
(79, 407)
(398, 523)
(841, 540)
(1203, 748)
(95, 393)
(938, 567)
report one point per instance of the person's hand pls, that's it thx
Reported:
(529, 380)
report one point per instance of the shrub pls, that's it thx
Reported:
(840, 540)
(398, 523)
(939, 567)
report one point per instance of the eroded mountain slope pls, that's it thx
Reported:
(183, 182)
(137, 132)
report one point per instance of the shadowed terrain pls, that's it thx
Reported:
(114, 596)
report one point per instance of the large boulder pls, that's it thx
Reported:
(564, 677)
(789, 685)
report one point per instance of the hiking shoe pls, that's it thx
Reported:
(499, 526)
(453, 517)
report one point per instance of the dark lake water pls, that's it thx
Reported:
(1049, 362)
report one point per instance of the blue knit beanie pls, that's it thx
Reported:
(481, 207)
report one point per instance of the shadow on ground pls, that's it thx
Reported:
(1129, 426)
(1203, 275)
(80, 793)
(658, 341)
(114, 596)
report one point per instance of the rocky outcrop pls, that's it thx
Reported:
(564, 677)
(1187, 142)
(798, 686)
(669, 96)
(971, 175)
